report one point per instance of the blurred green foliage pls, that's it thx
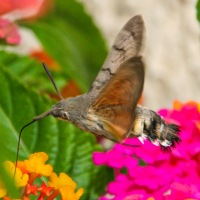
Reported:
(70, 37)
(68, 34)
(198, 10)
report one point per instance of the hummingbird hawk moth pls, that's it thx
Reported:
(109, 109)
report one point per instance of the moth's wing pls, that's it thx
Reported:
(114, 106)
(127, 45)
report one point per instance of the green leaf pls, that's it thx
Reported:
(68, 34)
(70, 149)
(198, 10)
(6, 128)
(31, 72)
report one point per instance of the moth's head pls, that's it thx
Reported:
(62, 110)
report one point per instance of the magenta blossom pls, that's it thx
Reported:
(146, 173)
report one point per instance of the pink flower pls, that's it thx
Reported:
(118, 157)
(171, 176)
(20, 8)
(151, 156)
(12, 10)
(9, 32)
(182, 191)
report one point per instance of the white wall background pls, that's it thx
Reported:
(172, 47)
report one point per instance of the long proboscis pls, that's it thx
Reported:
(38, 117)
(18, 144)
(20, 134)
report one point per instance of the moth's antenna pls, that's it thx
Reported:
(52, 80)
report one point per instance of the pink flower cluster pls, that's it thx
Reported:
(9, 32)
(146, 173)
(12, 10)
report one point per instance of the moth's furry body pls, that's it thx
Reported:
(110, 108)
(148, 124)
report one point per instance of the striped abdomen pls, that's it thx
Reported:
(149, 125)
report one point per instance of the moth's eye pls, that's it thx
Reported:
(65, 115)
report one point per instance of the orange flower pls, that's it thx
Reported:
(177, 105)
(151, 198)
(198, 107)
(34, 167)
(67, 193)
(44, 190)
(20, 178)
(62, 180)
(31, 189)
(21, 165)
(2, 190)
(36, 164)
(66, 186)
(43, 56)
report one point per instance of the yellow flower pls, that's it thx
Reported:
(20, 178)
(2, 190)
(62, 180)
(21, 165)
(36, 164)
(66, 186)
(67, 193)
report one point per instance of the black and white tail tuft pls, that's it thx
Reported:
(150, 125)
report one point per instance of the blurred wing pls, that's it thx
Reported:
(127, 45)
(114, 106)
